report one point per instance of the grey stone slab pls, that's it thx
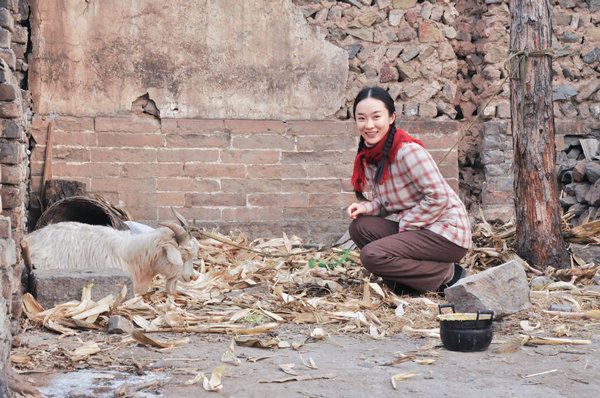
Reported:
(588, 253)
(118, 324)
(503, 289)
(56, 286)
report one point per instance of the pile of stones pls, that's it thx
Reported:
(579, 177)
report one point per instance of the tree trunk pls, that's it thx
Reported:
(538, 223)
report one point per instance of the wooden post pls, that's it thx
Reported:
(538, 222)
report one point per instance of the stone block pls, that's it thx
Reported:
(56, 286)
(588, 253)
(119, 324)
(540, 282)
(502, 289)
(6, 20)
(8, 253)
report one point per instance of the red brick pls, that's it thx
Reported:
(320, 157)
(250, 156)
(187, 185)
(313, 213)
(73, 138)
(171, 198)
(348, 198)
(141, 186)
(214, 199)
(329, 171)
(438, 141)
(65, 123)
(326, 127)
(110, 197)
(276, 171)
(36, 183)
(250, 185)
(453, 182)
(188, 155)
(129, 139)
(347, 185)
(449, 170)
(252, 214)
(11, 196)
(138, 170)
(261, 141)
(187, 126)
(170, 170)
(5, 229)
(255, 126)
(191, 214)
(72, 154)
(10, 110)
(127, 125)
(214, 140)
(8, 92)
(11, 152)
(123, 155)
(66, 169)
(135, 199)
(418, 127)
(306, 185)
(214, 170)
(452, 157)
(325, 199)
(37, 168)
(282, 199)
(142, 213)
(324, 143)
(12, 174)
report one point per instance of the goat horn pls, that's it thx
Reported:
(181, 235)
(179, 217)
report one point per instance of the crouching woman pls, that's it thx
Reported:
(414, 229)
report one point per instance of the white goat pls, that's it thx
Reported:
(168, 250)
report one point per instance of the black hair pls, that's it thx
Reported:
(382, 95)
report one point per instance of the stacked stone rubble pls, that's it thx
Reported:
(13, 167)
(579, 177)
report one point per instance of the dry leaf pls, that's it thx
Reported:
(84, 351)
(318, 334)
(229, 355)
(254, 342)
(402, 377)
(288, 368)
(143, 339)
(20, 358)
(212, 384)
(526, 326)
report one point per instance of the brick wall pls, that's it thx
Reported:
(13, 167)
(262, 177)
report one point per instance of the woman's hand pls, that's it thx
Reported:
(355, 209)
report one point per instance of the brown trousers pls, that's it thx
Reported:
(421, 259)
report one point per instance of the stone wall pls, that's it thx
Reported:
(262, 177)
(445, 60)
(13, 169)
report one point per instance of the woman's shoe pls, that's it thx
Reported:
(459, 273)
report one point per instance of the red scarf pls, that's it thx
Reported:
(374, 154)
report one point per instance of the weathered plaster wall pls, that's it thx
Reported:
(234, 59)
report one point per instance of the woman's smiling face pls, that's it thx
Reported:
(373, 120)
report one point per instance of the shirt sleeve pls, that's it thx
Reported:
(373, 207)
(423, 172)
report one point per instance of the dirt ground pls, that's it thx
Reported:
(351, 365)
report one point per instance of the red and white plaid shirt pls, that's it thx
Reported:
(417, 196)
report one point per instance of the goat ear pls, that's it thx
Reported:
(173, 255)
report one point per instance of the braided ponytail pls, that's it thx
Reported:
(361, 145)
(386, 149)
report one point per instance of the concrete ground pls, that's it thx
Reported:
(349, 365)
